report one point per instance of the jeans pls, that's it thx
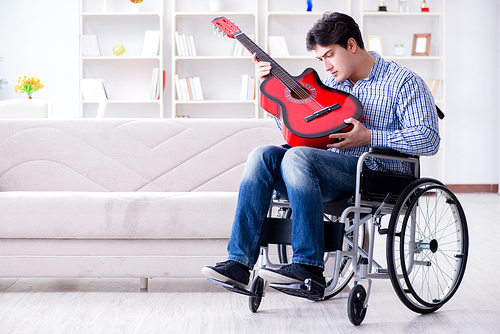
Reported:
(307, 177)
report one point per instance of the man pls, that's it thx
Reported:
(398, 113)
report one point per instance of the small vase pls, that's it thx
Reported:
(214, 5)
(136, 7)
(29, 97)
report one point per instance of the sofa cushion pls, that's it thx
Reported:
(129, 155)
(127, 215)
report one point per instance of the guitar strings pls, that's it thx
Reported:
(280, 73)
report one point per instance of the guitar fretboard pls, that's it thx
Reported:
(276, 69)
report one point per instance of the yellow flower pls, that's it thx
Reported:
(28, 85)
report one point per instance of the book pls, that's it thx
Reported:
(154, 84)
(178, 87)
(239, 49)
(93, 90)
(278, 46)
(247, 88)
(244, 87)
(101, 109)
(89, 45)
(199, 91)
(151, 43)
(192, 46)
(178, 43)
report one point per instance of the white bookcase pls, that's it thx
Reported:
(128, 78)
(398, 27)
(214, 60)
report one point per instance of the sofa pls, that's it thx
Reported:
(121, 198)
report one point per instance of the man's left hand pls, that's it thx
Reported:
(358, 136)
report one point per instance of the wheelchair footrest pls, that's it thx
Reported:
(232, 287)
(309, 289)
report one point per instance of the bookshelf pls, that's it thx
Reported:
(219, 70)
(398, 27)
(132, 81)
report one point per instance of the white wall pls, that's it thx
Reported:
(471, 147)
(41, 38)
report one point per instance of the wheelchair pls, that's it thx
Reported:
(426, 241)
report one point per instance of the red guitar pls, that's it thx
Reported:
(308, 110)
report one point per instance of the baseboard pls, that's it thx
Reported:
(473, 188)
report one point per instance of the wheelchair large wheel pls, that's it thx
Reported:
(427, 245)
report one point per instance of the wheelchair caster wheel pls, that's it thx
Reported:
(257, 288)
(355, 305)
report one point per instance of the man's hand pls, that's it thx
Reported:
(262, 70)
(358, 136)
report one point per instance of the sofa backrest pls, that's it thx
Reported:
(129, 155)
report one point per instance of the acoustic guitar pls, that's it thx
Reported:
(308, 110)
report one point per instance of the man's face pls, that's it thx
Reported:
(337, 60)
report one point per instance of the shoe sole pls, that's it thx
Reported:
(209, 272)
(273, 277)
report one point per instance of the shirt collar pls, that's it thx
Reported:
(377, 68)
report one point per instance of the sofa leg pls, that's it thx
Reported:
(144, 283)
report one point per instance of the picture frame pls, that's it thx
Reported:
(421, 44)
(374, 43)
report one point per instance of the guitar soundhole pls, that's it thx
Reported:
(306, 93)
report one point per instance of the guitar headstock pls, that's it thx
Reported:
(225, 26)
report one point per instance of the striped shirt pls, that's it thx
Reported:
(399, 110)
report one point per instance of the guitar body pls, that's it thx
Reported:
(291, 109)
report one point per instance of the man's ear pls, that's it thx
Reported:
(352, 45)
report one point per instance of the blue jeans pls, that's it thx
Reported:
(307, 177)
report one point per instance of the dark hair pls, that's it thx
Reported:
(334, 28)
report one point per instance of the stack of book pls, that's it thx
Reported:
(278, 46)
(89, 45)
(188, 89)
(247, 88)
(157, 83)
(239, 49)
(185, 45)
(93, 90)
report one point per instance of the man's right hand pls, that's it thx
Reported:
(263, 69)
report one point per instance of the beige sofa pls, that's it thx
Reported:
(120, 197)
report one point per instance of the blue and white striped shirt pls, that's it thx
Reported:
(399, 110)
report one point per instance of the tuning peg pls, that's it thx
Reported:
(215, 30)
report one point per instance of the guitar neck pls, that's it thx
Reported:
(276, 69)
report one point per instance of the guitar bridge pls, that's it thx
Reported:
(322, 112)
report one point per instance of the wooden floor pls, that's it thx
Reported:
(194, 306)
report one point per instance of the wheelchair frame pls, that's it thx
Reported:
(427, 235)
(408, 266)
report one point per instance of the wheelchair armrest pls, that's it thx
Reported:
(383, 153)
(390, 152)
